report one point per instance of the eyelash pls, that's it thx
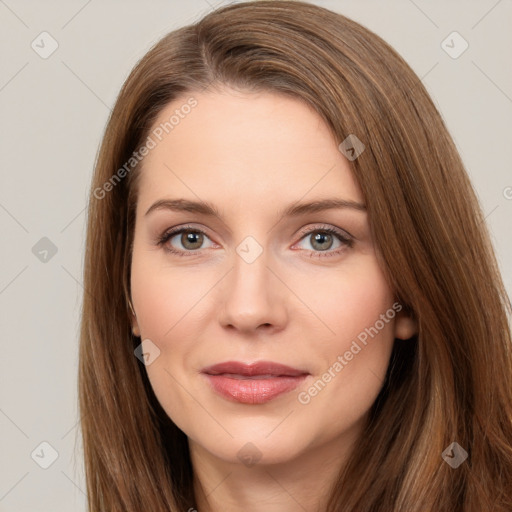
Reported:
(345, 240)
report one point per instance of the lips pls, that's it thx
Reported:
(260, 368)
(255, 383)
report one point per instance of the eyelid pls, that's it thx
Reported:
(325, 227)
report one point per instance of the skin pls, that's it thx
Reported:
(252, 155)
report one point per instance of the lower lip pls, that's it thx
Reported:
(252, 390)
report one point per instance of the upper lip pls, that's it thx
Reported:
(252, 369)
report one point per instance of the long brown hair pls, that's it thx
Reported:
(451, 383)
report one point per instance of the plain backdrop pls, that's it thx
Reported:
(53, 113)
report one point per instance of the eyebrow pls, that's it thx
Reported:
(293, 210)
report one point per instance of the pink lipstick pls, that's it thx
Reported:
(255, 383)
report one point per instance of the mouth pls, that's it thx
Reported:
(255, 383)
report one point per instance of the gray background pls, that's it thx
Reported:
(53, 112)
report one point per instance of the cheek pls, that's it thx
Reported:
(352, 299)
(352, 361)
(366, 299)
(163, 296)
(357, 359)
(369, 314)
(165, 301)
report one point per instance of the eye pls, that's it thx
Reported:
(322, 239)
(191, 240)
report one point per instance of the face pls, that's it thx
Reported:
(261, 279)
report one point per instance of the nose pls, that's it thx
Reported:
(253, 297)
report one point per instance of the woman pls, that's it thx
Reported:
(336, 335)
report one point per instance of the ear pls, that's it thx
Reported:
(135, 323)
(135, 327)
(405, 326)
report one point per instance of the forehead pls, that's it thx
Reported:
(244, 147)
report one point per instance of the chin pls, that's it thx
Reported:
(249, 448)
